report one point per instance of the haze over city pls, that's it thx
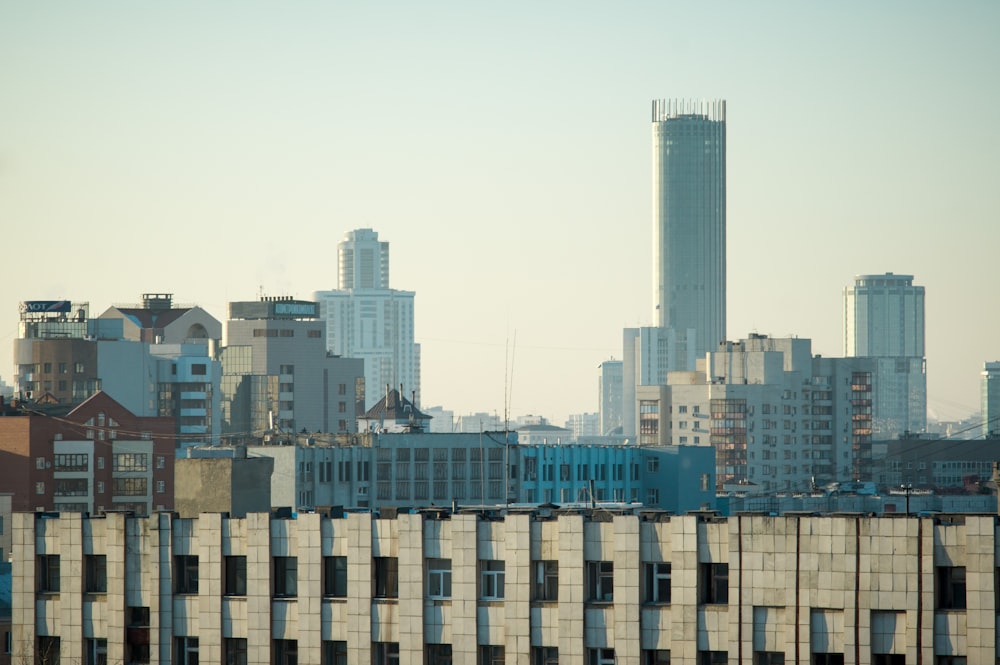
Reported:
(221, 151)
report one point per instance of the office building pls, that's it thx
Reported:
(991, 399)
(609, 397)
(278, 376)
(366, 319)
(884, 320)
(542, 585)
(689, 221)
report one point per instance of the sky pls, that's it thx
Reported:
(220, 150)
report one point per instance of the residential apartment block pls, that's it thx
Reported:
(541, 586)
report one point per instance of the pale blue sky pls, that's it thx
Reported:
(503, 149)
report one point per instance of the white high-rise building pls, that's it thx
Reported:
(884, 320)
(366, 319)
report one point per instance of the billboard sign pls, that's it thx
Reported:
(40, 306)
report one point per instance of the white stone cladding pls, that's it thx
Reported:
(795, 585)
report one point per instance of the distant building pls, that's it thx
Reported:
(157, 320)
(235, 485)
(609, 397)
(278, 375)
(479, 422)
(94, 457)
(884, 320)
(990, 391)
(584, 424)
(392, 414)
(442, 420)
(941, 465)
(366, 319)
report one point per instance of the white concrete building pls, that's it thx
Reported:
(544, 586)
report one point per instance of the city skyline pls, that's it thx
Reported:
(513, 184)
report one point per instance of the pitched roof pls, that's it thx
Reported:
(395, 407)
(153, 318)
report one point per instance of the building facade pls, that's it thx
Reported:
(990, 391)
(366, 319)
(609, 397)
(884, 320)
(544, 586)
(689, 220)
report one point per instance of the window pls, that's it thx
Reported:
(199, 369)
(385, 653)
(48, 573)
(71, 462)
(490, 654)
(130, 462)
(47, 651)
(286, 576)
(334, 653)
(128, 486)
(335, 576)
(827, 659)
(544, 655)
(491, 579)
(186, 650)
(713, 658)
(235, 575)
(438, 654)
(950, 587)
(950, 660)
(95, 573)
(601, 657)
(286, 652)
(95, 651)
(888, 659)
(439, 578)
(714, 583)
(137, 641)
(768, 658)
(656, 657)
(652, 496)
(185, 574)
(652, 464)
(546, 582)
(657, 582)
(600, 581)
(235, 651)
(386, 579)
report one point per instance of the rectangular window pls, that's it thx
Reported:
(601, 657)
(600, 581)
(439, 578)
(768, 658)
(185, 574)
(48, 650)
(186, 650)
(128, 486)
(386, 578)
(888, 659)
(130, 462)
(286, 576)
(385, 653)
(235, 575)
(491, 579)
(490, 654)
(950, 587)
(827, 659)
(286, 652)
(95, 651)
(48, 573)
(199, 369)
(713, 658)
(95, 578)
(544, 655)
(714, 583)
(657, 582)
(546, 581)
(652, 464)
(235, 651)
(335, 576)
(656, 657)
(334, 653)
(438, 654)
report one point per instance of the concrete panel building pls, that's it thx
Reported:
(596, 587)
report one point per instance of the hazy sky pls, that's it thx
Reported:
(215, 149)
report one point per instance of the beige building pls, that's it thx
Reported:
(538, 587)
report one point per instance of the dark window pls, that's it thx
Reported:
(657, 582)
(335, 576)
(438, 654)
(601, 657)
(768, 658)
(713, 658)
(96, 573)
(48, 650)
(286, 652)
(949, 660)
(95, 651)
(544, 655)
(950, 587)
(48, 573)
(199, 369)
(828, 659)
(334, 653)
(439, 578)
(236, 575)
(185, 574)
(235, 651)
(385, 653)
(714, 584)
(186, 650)
(286, 576)
(656, 657)
(490, 654)
(137, 635)
(491, 579)
(601, 581)
(546, 580)
(386, 578)
(888, 659)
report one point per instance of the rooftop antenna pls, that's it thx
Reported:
(508, 380)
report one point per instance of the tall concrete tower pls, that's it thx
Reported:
(363, 261)
(689, 219)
